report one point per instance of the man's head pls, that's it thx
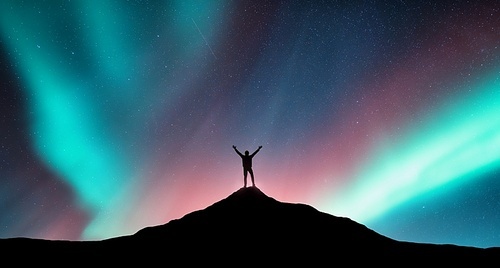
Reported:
(246, 152)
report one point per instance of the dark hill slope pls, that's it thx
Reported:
(249, 227)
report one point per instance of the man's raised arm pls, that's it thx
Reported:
(236, 150)
(256, 151)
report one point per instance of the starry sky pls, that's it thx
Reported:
(118, 115)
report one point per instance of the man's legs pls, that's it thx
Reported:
(245, 177)
(251, 175)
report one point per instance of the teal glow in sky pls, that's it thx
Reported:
(458, 142)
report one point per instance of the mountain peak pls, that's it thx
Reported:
(248, 192)
(247, 196)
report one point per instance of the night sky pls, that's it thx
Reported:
(118, 115)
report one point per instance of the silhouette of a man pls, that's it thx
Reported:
(247, 164)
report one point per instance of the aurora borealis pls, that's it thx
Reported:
(118, 115)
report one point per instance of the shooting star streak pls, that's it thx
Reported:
(206, 42)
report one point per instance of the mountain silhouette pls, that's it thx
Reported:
(250, 228)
